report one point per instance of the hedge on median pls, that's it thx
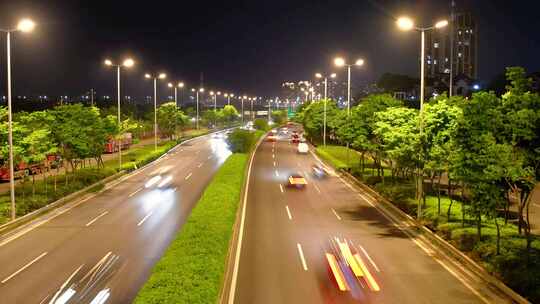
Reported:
(192, 268)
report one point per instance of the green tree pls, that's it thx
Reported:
(477, 161)
(260, 124)
(230, 114)
(440, 117)
(397, 132)
(520, 131)
(37, 142)
(170, 119)
(241, 141)
(279, 117)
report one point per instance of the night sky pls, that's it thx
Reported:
(249, 47)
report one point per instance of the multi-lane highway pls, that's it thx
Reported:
(290, 235)
(102, 250)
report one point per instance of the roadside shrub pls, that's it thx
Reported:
(241, 141)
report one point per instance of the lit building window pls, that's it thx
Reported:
(446, 59)
(436, 45)
(434, 61)
(459, 55)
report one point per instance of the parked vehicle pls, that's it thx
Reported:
(113, 144)
(22, 169)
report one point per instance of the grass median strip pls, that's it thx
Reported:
(192, 268)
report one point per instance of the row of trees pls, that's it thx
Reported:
(488, 145)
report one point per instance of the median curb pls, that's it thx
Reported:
(224, 294)
(9, 228)
(440, 243)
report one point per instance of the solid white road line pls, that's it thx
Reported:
(24, 267)
(277, 173)
(301, 253)
(174, 190)
(317, 188)
(200, 165)
(274, 163)
(335, 213)
(144, 218)
(188, 176)
(273, 155)
(288, 212)
(136, 191)
(240, 234)
(281, 188)
(210, 157)
(369, 258)
(96, 218)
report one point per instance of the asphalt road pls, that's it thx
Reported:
(287, 233)
(105, 247)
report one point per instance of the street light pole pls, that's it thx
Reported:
(119, 119)
(25, 25)
(10, 129)
(155, 114)
(127, 63)
(155, 78)
(406, 24)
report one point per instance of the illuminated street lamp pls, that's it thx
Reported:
(25, 26)
(406, 24)
(179, 85)
(242, 99)
(340, 62)
(200, 90)
(319, 75)
(228, 96)
(126, 63)
(155, 78)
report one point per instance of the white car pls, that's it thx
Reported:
(303, 148)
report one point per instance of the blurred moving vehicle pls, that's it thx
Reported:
(348, 270)
(296, 180)
(159, 178)
(319, 171)
(271, 138)
(303, 148)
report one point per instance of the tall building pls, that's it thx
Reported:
(462, 36)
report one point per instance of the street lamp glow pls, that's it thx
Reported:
(212, 93)
(162, 76)
(218, 92)
(201, 90)
(339, 62)
(128, 63)
(405, 23)
(26, 25)
(226, 95)
(333, 75)
(232, 95)
(170, 85)
(441, 24)
(147, 76)
(359, 62)
(180, 84)
(108, 62)
(318, 75)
